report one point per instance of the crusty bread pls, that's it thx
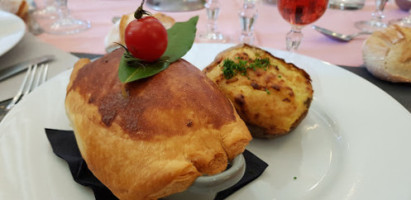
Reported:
(159, 135)
(273, 100)
(387, 54)
(166, 20)
(117, 31)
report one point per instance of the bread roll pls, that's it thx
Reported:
(117, 31)
(272, 100)
(387, 54)
(167, 22)
(158, 138)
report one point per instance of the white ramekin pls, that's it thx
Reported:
(207, 187)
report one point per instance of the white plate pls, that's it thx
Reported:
(11, 31)
(353, 144)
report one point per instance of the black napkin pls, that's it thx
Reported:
(64, 146)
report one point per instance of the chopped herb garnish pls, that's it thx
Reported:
(231, 68)
(279, 76)
(295, 178)
(268, 91)
(228, 68)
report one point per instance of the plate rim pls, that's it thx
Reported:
(19, 32)
(65, 74)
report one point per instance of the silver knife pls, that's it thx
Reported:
(15, 69)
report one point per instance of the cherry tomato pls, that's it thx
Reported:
(146, 38)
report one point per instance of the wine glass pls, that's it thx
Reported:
(406, 21)
(49, 10)
(212, 34)
(46, 15)
(299, 13)
(375, 23)
(248, 15)
(55, 18)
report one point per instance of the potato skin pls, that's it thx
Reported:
(271, 101)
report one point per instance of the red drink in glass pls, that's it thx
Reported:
(299, 13)
(302, 12)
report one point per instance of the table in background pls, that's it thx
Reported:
(270, 28)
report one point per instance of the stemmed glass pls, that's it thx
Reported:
(375, 23)
(55, 18)
(299, 13)
(406, 21)
(212, 34)
(49, 10)
(46, 15)
(248, 15)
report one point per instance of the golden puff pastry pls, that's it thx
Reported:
(272, 99)
(387, 54)
(170, 129)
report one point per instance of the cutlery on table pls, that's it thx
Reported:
(15, 69)
(338, 36)
(35, 76)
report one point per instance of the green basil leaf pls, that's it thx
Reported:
(180, 39)
(132, 69)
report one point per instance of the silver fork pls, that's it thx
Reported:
(35, 76)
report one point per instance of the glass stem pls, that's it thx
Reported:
(213, 11)
(293, 38)
(378, 15)
(50, 8)
(62, 8)
(407, 19)
(248, 15)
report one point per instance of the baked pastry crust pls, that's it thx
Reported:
(170, 129)
(271, 101)
(387, 54)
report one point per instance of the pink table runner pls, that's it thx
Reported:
(270, 28)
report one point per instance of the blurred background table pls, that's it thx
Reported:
(270, 28)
